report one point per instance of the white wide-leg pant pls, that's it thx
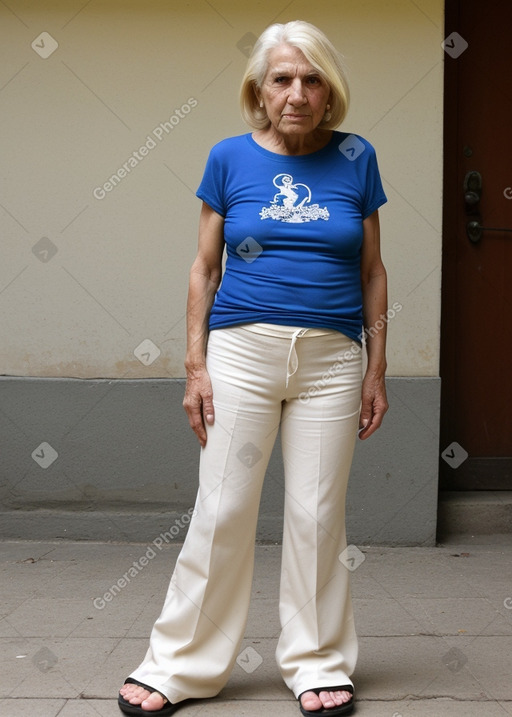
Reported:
(308, 382)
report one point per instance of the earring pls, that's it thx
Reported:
(262, 104)
(327, 114)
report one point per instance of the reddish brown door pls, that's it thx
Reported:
(476, 332)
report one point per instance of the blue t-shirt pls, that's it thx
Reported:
(293, 230)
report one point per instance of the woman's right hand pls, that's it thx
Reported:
(198, 402)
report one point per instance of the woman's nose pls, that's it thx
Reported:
(296, 95)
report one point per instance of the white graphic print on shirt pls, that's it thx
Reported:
(292, 203)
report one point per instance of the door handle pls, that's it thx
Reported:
(472, 190)
(472, 196)
(474, 231)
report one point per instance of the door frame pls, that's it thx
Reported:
(447, 481)
(481, 468)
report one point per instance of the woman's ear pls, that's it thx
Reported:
(257, 93)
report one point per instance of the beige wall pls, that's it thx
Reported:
(85, 280)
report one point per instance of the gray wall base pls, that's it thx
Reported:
(480, 512)
(125, 464)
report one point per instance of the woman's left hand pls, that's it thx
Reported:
(374, 404)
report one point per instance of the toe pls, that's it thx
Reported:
(334, 699)
(324, 700)
(137, 695)
(310, 701)
(328, 699)
(155, 701)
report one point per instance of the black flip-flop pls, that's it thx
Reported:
(129, 709)
(345, 709)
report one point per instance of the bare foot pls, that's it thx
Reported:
(327, 700)
(136, 695)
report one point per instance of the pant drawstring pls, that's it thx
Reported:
(293, 362)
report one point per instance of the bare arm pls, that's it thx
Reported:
(205, 277)
(374, 287)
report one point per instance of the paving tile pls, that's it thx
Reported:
(32, 708)
(49, 667)
(91, 708)
(430, 708)
(125, 616)
(460, 616)
(429, 667)
(435, 631)
(97, 577)
(6, 628)
(384, 616)
(24, 578)
(263, 620)
(246, 708)
(489, 659)
(19, 550)
(267, 569)
(365, 585)
(416, 572)
(40, 617)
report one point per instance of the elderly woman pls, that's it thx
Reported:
(278, 345)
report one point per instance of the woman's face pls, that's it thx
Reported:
(294, 94)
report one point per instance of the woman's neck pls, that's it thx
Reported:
(292, 144)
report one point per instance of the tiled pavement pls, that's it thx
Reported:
(435, 629)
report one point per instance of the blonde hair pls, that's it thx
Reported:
(320, 53)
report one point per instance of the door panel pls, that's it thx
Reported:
(476, 331)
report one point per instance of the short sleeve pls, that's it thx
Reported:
(374, 196)
(212, 187)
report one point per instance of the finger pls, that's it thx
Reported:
(363, 424)
(200, 432)
(208, 410)
(373, 424)
(365, 415)
(195, 419)
(366, 432)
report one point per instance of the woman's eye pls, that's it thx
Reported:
(313, 80)
(281, 79)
